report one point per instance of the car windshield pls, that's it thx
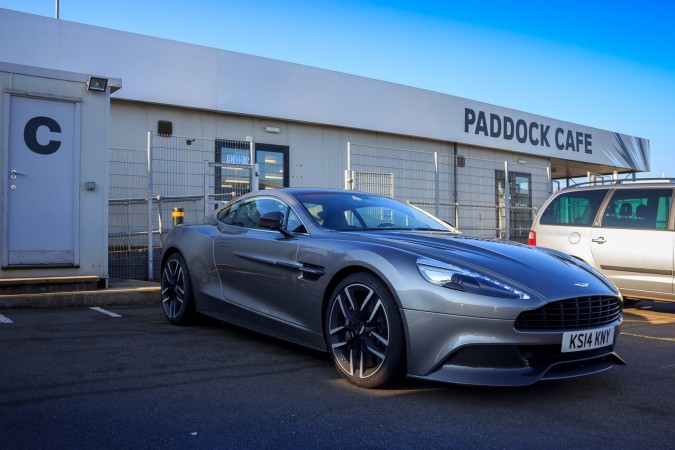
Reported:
(347, 211)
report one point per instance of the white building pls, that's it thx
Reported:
(210, 110)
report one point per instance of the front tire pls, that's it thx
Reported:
(364, 332)
(177, 299)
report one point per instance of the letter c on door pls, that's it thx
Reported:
(30, 135)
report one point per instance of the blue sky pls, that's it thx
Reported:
(609, 65)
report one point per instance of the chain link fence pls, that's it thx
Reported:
(171, 173)
(484, 198)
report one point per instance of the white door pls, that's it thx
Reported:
(634, 245)
(635, 260)
(41, 181)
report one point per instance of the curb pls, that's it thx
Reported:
(146, 295)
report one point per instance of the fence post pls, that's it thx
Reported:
(455, 195)
(507, 202)
(437, 196)
(159, 220)
(456, 224)
(349, 155)
(206, 187)
(150, 250)
(251, 151)
(348, 180)
(255, 177)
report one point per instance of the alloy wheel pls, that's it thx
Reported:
(173, 288)
(358, 330)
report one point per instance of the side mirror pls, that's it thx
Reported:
(271, 220)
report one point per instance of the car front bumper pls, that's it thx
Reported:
(491, 352)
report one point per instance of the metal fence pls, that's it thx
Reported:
(482, 197)
(146, 184)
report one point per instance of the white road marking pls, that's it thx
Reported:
(105, 311)
(4, 319)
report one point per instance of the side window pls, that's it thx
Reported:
(242, 214)
(247, 213)
(227, 215)
(638, 208)
(576, 208)
(293, 223)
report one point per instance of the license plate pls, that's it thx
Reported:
(576, 341)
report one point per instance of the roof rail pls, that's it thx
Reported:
(625, 181)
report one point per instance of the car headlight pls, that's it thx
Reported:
(462, 279)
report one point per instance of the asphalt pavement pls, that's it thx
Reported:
(121, 376)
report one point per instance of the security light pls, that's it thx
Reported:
(97, 84)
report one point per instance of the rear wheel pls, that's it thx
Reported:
(177, 298)
(364, 332)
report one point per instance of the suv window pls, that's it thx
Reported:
(573, 208)
(638, 208)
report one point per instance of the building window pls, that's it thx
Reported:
(231, 174)
(521, 204)
(273, 165)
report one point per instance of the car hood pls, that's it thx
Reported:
(549, 274)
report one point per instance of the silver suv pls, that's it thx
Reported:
(625, 230)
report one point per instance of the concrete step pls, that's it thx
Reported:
(118, 292)
(11, 286)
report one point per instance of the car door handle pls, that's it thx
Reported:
(600, 240)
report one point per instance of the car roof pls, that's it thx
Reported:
(620, 184)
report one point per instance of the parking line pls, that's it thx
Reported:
(648, 337)
(4, 319)
(652, 318)
(105, 311)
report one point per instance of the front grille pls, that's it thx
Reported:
(572, 313)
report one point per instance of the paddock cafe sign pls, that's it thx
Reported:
(495, 127)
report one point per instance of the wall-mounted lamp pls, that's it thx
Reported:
(189, 141)
(522, 161)
(272, 130)
(97, 84)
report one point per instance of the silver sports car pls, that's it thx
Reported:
(388, 290)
